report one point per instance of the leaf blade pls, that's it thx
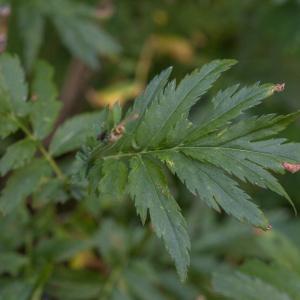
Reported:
(148, 189)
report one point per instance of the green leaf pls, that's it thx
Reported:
(235, 150)
(274, 275)
(169, 281)
(215, 188)
(61, 249)
(112, 239)
(7, 125)
(280, 249)
(12, 84)
(270, 154)
(23, 183)
(31, 25)
(152, 91)
(84, 39)
(12, 263)
(253, 128)
(174, 103)
(15, 290)
(239, 286)
(45, 108)
(17, 155)
(240, 166)
(73, 133)
(149, 189)
(229, 104)
(50, 191)
(208, 157)
(119, 294)
(74, 285)
(142, 287)
(116, 113)
(114, 179)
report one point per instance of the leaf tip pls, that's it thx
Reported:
(292, 168)
(232, 61)
(279, 87)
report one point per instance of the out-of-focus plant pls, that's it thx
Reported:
(71, 186)
(121, 157)
(76, 23)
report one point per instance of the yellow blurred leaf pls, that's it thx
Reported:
(160, 17)
(82, 260)
(178, 48)
(120, 92)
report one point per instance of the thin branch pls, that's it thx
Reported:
(41, 148)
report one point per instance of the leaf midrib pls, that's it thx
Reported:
(180, 148)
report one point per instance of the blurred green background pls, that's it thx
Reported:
(137, 40)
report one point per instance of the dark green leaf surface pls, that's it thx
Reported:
(74, 132)
(17, 155)
(282, 278)
(45, 107)
(175, 103)
(215, 188)
(206, 157)
(242, 287)
(148, 187)
(22, 183)
(114, 179)
(12, 84)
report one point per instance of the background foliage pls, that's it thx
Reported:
(59, 244)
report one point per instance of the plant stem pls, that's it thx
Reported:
(52, 162)
(41, 281)
(41, 148)
(122, 155)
